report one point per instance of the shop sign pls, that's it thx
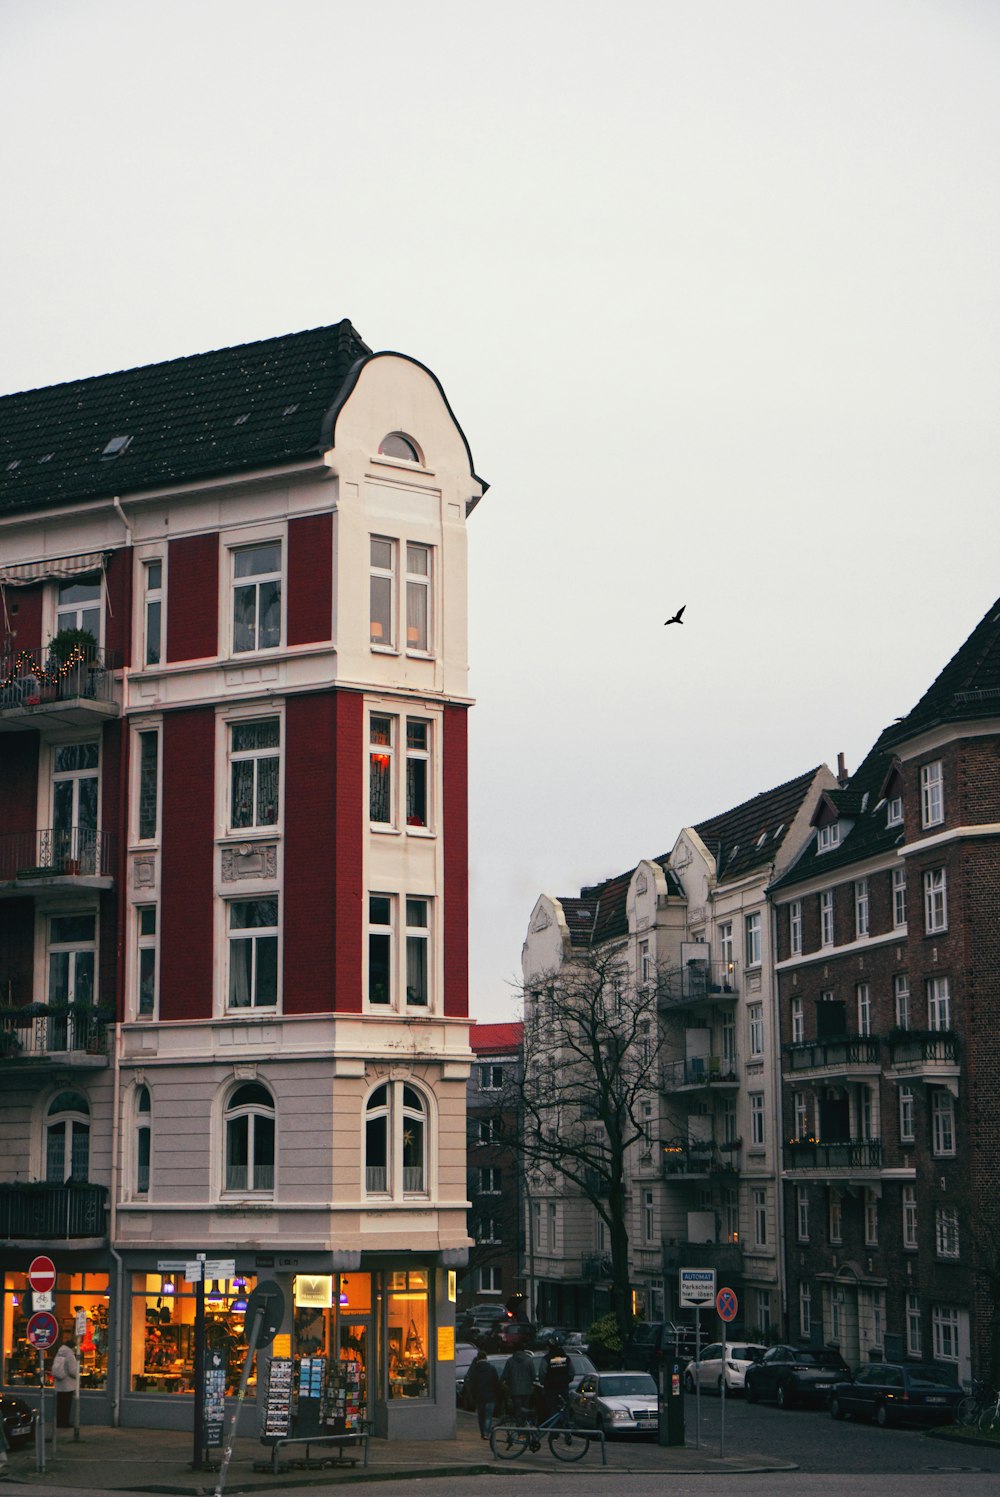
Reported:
(446, 1343)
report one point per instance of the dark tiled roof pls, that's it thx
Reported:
(599, 914)
(253, 406)
(750, 835)
(868, 835)
(968, 687)
(496, 1039)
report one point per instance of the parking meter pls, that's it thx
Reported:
(671, 1402)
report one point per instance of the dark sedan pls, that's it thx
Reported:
(18, 1420)
(795, 1375)
(898, 1393)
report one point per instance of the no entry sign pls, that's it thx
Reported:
(43, 1330)
(42, 1275)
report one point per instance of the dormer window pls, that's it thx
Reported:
(894, 812)
(828, 836)
(398, 445)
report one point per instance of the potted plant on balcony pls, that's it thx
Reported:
(72, 658)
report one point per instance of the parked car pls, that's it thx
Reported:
(710, 1371)
(617, 1403)
(651, 1340)
(465, 1355)
(897, 1392)
(18, 1420)
(546, 1333)
(576, 1343)
(795, 1374)
(479, 1320)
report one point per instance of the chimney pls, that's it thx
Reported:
(842, 775)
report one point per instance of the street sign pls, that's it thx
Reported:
(220, 1268)
(697, 1287)
(267, 1297)
(42, 1275)
(43, 1330)
(727, 1304)
(80, 1324)
(44, 1301)
(190, 1269)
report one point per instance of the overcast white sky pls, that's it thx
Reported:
(712, 286)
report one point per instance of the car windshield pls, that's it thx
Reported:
(931, 1377)
(627, 1384)
(746, 1353)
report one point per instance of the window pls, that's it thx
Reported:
(836, 1221)
(149, 784)
(944, 1323)
(864, 997)
(731, 1215)
(257, 597)
(828, 836)
(253, 953)
(75, 844)
(380, 946)
(489, 1182)
(726, 947)
(417, 942)
(901, 991)
(762, 1298)
(756, 1117)
(146, 960)
(800, 1110)
(491, 1078)
(143, 1140)
(380, 777)
(907, 1129)
(942, 1122)
(836, 1312)
(249, 1120)
(418, 598)
(488, 1130)
(645, 966)
(395, 1141)
(67, 1138)
(935, 901)
(396, 444)
(946, 1232)
(487, 1230)
(382, 592)
(759, 1198)
(898, 898)
(152, 583)
(871, 1217)
(729, 1133)
(931, 794)
(489, 1281)
(909, 1216)
(418, 747)
(755, 1016)
(802, 1213)
(861, 908)
(805, 1311)
(798, 1021)
(78, 604)
(253, 773)
(894, 812)
(648, 1218)
(826, 918)
(729, 1040)
(795, 927)
(938, 1003)
(866, 1111)
(752, 948)
(914, 1329)
(71, 963)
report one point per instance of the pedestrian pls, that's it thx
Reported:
(556, 1378)
(482, 1387)
(64, 1374)
(519, 1380)
(4, 1473)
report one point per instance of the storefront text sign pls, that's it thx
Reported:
(446, 1343)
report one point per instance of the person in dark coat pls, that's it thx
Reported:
(482, 1387)
(556, 1378)
(519, 1380)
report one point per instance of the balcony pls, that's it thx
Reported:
(700, 1073)
(698, 983)
(38, 689)
(45, 1214)
(725, 1257)
(687, 1158)
(925, 1054)
(854, 1055)
(54, 859)
(597, 1267)
(74, 1035)
(849, 1158)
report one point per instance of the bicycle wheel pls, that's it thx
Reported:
(988, 1418)
(568, 1444)
(508, 1444)
(967, 1412)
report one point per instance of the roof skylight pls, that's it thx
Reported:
(115, 447)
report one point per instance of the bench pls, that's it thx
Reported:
(340, 1441)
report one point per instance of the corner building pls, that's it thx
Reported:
(233, 867)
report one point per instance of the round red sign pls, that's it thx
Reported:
(43, 1330)
(42, 1274)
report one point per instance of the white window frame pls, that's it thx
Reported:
(828, 836)
(71, 947)
(255, 580)
(931, 793)
(935, 901)
(894, 811)
(402, 1181)
(800, 1113)
(69, 615)
(863, 993)
(942, 1123)
(489, 1279)
(759, 1210)
(939, 1004)
(805, 1311)
(142, 1123)
(253, 934)
(755, 1028)
(826, 931)
(835, 1223)
(72, 842)
(726, 945)
(648, 1217)
(945, 1322)
(419, 758)
(145, 732)
(378, 571)
(752, 939)
(795, 928)
(382, 930)
(153, 601)
(901, 995)
(862, 909)
(871, 1217)
(491, 1076)
(907, 1116)
(254, 756)
(758, 1135)
(802, 1213)
(798, 1021)
(899, 897)
(252, 1110)
(914, 1326)
(70, 1121)
(147, 941)
(490, 1183)
(419, 935)
(909, 1203)
(380, 750)
(420, 585)
(946, 1232)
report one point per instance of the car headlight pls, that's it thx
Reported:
(621, 1416)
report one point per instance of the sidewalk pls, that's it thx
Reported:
(159, 1461)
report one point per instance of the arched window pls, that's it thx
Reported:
(398, 444)
(67, 1138)
(143, 1139)
(396, 1141)
(249, 1122)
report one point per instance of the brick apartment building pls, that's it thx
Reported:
(496, 1187)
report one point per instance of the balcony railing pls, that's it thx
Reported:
(845, 1154)
(724, 1257)
(699, 1071)
(41, 1213)
(55, 1033)
(841, 1053)
(698, 982)
(915, 1049)
(596, 1266)
(40, 684)
(54, 852)
(694, 1157)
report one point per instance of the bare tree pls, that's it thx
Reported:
(591, 1058)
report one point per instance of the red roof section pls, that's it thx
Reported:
(494, 1038)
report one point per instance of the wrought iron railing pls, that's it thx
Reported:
(849, 1153)
(715, 981)
(36, 680)
(53, 1212)
(695, 1157)
(843, 1050)
(699, 1070)
(56, 852)
(923, 1047)
(42, 1030)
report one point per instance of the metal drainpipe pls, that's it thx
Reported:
(786, 1316)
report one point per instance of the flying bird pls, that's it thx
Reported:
(677, 616)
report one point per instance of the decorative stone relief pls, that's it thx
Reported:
(245, 1071)
(144, 873)
(641, 884)
(542, 921)
(254, 860)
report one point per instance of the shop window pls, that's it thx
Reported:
(333, 1335)
(162, 1331)
(67, 1139)
(250, 1140)
(407, 1334)
(75, 1294)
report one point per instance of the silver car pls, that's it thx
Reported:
(709, 1373)
(618, 1403)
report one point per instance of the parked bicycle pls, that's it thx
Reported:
(566, 1442)
(979, 1409)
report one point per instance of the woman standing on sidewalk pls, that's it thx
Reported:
(64, 1375)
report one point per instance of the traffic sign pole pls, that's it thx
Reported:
(199, 1370)
(727, 1304)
